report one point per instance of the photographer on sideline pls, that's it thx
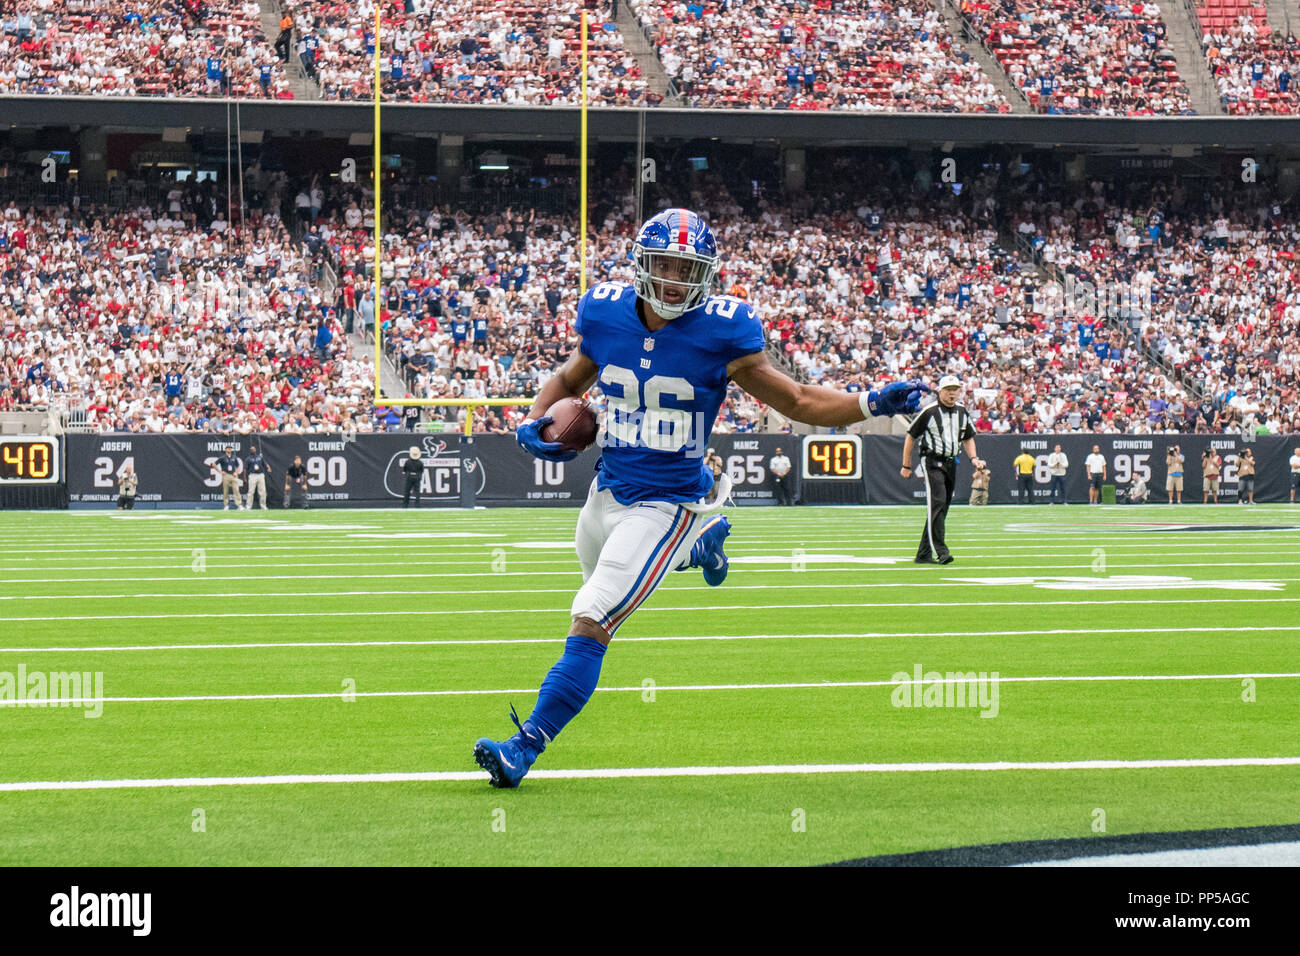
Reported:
(295, 483)
(126, 489)
(1211, 466)
(1246, 477)
(1174, 465)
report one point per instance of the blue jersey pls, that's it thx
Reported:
(664, 389)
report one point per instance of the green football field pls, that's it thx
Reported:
(306, 688)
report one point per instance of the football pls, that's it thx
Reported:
(573, 424)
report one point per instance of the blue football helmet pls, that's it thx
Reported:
(676, 261)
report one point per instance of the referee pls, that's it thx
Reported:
(941, 430)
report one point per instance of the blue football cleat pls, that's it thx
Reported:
(506, 761)
(706, 553)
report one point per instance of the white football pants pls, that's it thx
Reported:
(626, 551)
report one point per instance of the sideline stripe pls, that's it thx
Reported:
(91, 648)
(621, 773)
(793, 685)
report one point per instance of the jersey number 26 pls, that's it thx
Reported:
(637, 416)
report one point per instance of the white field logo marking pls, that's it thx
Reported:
(53, 689)
(1125, 582)
(953, 689)
(103, 909)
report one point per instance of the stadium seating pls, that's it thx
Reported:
(118, 299)
(855, 287)
(1251, 65)
(1067, 56)
(87, 48)
(473, 51)
(865, 56)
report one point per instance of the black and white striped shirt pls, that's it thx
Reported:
(939, 431)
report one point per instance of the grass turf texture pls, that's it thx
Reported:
(93, 581)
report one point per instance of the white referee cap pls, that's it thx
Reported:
(949, 380)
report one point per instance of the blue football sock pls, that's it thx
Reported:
(568, 686)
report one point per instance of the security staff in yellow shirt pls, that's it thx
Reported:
(1024, 465)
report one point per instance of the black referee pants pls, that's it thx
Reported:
(412, 484)
(940, 477)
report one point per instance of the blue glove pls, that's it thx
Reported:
(529, 435)
(897, 398)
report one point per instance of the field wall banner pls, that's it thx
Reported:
(176, 470)
(1126, 456)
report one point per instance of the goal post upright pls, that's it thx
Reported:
(381, 400)
(376, 270)
(582, 164)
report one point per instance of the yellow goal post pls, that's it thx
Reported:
(384, 401)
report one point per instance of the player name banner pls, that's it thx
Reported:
(366, 470)
(1127, 457)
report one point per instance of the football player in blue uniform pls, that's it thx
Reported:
(662, 350)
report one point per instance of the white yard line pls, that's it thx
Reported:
(872, 635)
(570, 567)
(620, 773)
(636, 689)
(643, 610)
(1246, 597)
(238, 557)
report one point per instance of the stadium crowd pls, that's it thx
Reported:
(866, 55)
(468, 51)
(1209, 284)
(172, 319)
(1067, 56)
(175, 317)
(1251, 66)
(137, 48)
